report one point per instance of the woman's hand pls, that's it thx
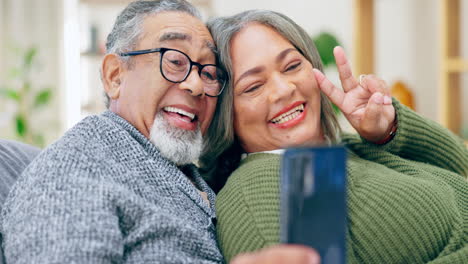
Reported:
(366, 103)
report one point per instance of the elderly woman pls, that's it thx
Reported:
(407, 189)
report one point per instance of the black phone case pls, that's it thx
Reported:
(313, 200)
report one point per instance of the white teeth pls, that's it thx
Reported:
(293, 113)
(179, 111)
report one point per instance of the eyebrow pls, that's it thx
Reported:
(252, 71)
(174, 36)
(259, 69)
(182, 36)
(211, 46)
(283, 54)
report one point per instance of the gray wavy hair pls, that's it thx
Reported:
(222, 150)
(127, 28)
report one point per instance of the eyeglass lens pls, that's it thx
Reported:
(175, 67)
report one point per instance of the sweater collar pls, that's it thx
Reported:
(181, 180)
(275, 151)
(149, 147)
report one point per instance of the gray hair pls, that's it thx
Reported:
(127, 28)
(222, 150)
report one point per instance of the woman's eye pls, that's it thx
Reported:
(251, 89)
(294, 66)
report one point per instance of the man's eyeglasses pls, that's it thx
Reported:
(175, 66)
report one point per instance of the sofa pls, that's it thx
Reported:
(14, 158)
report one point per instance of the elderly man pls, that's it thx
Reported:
(120, 186)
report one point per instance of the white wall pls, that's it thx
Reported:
(1, 35)
(334, 16)
(4, 117)
(408, 48)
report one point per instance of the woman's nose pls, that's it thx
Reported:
(281, 89)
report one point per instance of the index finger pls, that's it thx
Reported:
(334, 94)
(344, 69)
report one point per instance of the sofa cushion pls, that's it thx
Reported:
(14, 157)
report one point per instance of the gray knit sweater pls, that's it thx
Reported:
(103, 194)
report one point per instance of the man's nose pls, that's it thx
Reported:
(193, 83)
(280, 89)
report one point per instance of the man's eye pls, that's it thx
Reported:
(294, 66)
(208, 76)
(177, 62)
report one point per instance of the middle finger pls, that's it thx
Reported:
(344, 69)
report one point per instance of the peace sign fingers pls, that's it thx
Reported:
(344, 69)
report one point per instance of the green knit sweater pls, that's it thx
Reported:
(407, 200)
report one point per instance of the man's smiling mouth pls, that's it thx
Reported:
(184, 114)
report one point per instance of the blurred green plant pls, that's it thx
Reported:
(28, 100)
(325, 42)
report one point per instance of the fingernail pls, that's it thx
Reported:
(361, 78)
(387, 99)
(318, 74)
(379, 99)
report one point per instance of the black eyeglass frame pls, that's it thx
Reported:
(199, 65)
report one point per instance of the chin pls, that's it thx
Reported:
(306, 140)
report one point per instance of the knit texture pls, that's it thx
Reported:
(103, 194)
(407, 200)
(14, 157)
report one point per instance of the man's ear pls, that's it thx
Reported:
(112, 70)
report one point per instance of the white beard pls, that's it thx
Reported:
(175, 144)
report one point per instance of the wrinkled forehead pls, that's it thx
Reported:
(169, 36)
(177, 30)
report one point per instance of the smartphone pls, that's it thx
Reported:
(313, 200)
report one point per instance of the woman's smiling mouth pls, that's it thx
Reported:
(289, 116)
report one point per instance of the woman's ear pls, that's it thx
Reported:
(112, 69)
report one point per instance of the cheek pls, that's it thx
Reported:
(309, 87)
(160, 92)
(209, 113)
(144, 85)
(238, 117)
(249, 115)
(250, 125)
